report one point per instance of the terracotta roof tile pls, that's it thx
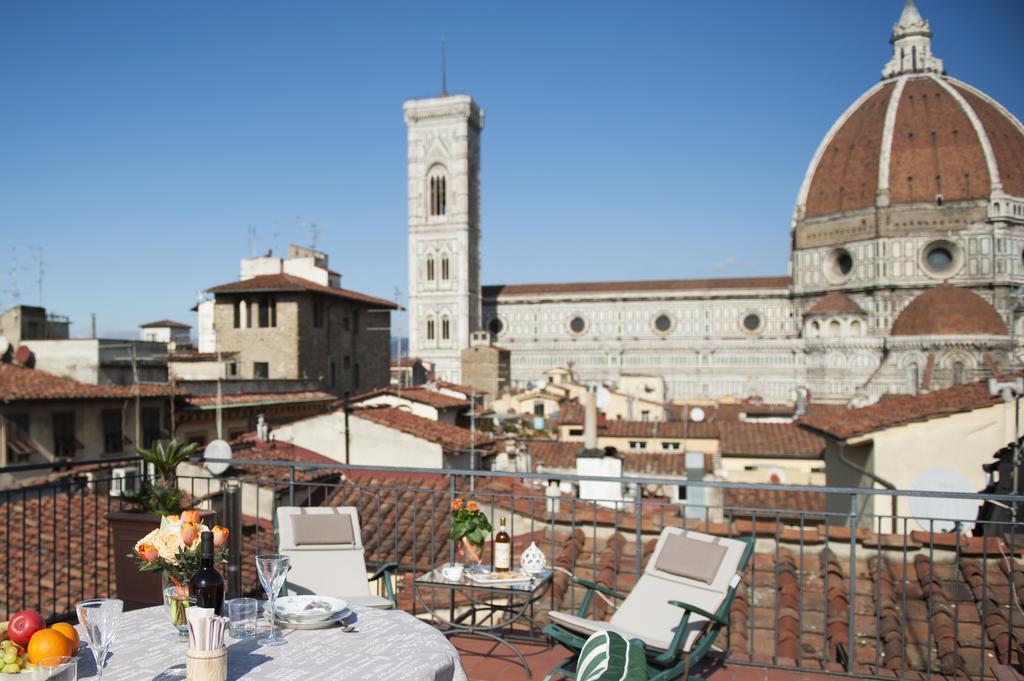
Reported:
(948, 310)
(419, 394)
(251, 399)
(191, 356)
(491, 292)
(836, 302)
(895, 410)
(21, 384)
(451, 438)
(745, 438)
(165, 323)
(562, 456)
(288, 282)
(666, 429)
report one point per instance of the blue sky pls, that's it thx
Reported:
(139, 142)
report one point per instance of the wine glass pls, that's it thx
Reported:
(272, 569)
(99, 618)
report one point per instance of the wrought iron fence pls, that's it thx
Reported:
(861, 591)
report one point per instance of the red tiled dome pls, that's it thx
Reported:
(948, 310)
(910, 139)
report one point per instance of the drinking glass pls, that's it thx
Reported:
(61, 668)
(99, 618)
(272, 569)
(242, 618)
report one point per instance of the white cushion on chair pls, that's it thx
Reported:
(586, 626)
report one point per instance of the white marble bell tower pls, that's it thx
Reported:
(444, 228)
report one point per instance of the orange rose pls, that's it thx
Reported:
(472, 506)
(189, 533)
(190, 517)
(148, 552)
(457, 504)
(220, 536)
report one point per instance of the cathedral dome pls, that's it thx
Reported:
(948, 310)
(917, 137)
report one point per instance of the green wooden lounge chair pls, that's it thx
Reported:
(677, 608)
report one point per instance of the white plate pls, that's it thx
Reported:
(308, 608)
(322, 624)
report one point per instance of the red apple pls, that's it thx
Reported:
(23, 624)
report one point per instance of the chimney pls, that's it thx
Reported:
(590, 421)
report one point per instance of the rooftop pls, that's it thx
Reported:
(165, 323)
(270, 283)
(422, 395)
(451, 438)
(256, 399)
(20, 384)
(897, 410)
(496, 291)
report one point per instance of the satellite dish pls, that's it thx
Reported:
(942, 513)
(602, 397)
(5, 345)
(696, 414)
(220, 451)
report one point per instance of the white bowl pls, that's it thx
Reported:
(308, 608)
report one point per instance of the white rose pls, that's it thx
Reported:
(168, 543)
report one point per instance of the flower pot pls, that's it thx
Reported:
(469, 553)
(136, 589)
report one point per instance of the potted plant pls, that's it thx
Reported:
(140, 514)
(469, 529)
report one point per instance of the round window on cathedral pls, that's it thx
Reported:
(577, 325)
(839, 265)
(752, 322)
(941, 259)
(496, 326)
(663, 323)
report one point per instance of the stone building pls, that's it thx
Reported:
(912, 205)
(289, 318)
(485, 366)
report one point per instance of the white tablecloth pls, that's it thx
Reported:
(387, 644)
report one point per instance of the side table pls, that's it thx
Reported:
(509, 602)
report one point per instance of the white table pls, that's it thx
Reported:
(387, 644)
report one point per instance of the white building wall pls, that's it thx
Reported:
(370, 444)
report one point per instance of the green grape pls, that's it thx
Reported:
(12, 669)
(10, 656)
(6, 643)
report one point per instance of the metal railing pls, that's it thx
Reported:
(858, 591)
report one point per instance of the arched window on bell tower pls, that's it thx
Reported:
(437, 191)
(445, 268)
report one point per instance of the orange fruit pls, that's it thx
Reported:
(48, 643)
(69, 633)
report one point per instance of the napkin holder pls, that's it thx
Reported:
(206, 665)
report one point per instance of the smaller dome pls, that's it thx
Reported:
(836, 302)
(948, 310)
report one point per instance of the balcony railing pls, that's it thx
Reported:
(843, 591)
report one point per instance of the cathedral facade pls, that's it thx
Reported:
(905, 274)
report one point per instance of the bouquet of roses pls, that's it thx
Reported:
(173, 548)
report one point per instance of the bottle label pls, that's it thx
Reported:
(502, 556)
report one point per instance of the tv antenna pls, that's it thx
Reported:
(37, 255)
(314, 233)
(12, 273)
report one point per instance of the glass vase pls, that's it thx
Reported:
(176, 601)
(468, 553)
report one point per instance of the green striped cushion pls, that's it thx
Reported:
(607, 656)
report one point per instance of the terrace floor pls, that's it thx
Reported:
(485, 660)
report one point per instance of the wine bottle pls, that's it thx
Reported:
(206, 588)
(502, 549)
